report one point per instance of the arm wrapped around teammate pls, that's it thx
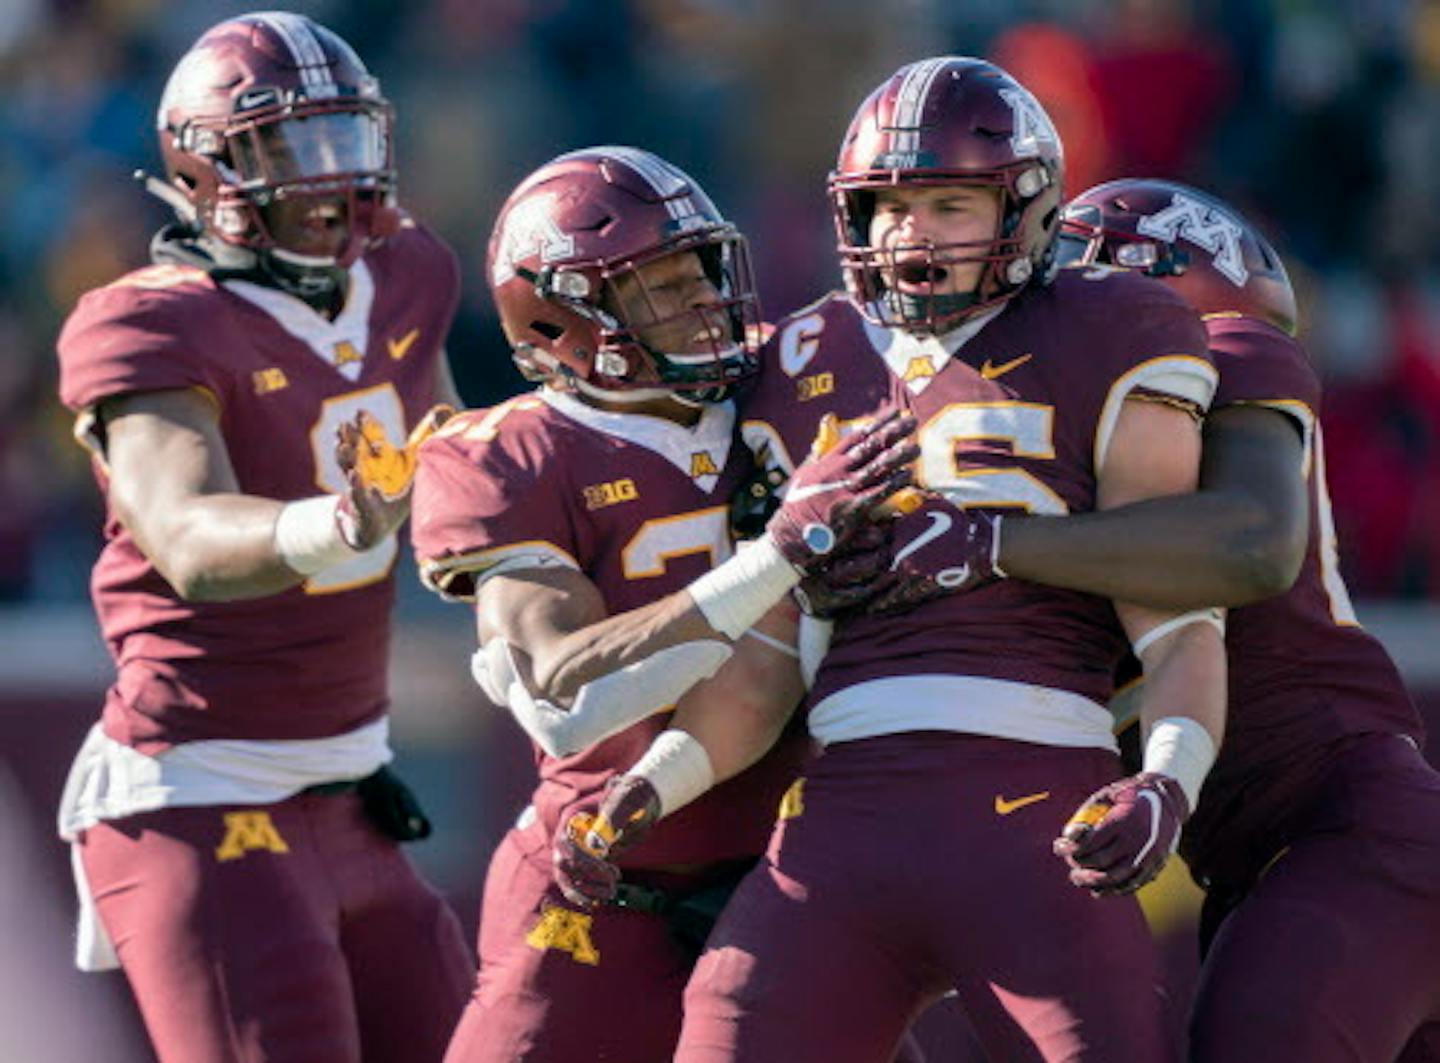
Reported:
(932, 549)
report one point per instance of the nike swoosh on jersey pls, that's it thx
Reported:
(1004, 807)
(990, 372)
(401, 347)
(940, 523)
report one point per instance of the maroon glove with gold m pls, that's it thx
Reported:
(1120, 838)
(587, 843)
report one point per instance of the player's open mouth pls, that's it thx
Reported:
(920, 275)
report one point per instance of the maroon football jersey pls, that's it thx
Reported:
(1013, 420)
(1303, 674)
(309, 662)
(544, 479)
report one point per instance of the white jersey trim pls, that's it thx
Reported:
(678, 444)
(109, 780)
(323, 336)
(1181, 375)
(965, 704)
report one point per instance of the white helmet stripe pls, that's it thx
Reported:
(910, 103)
(666, 180)
(304, 47)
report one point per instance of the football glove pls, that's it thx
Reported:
(1120, 838)
(378, 475)
(588, 842)
(835, 491)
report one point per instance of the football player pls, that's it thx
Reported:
(962, 733)
(1317, 834)
(588, 521)
(235, 826)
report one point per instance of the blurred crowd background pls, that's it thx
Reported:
(1320, 120)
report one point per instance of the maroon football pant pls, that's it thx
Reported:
(1334, 955)
(562, 985)
(918, 862)
(286, 933)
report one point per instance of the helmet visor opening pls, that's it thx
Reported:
(310, 147)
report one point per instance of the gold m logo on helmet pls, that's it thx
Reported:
(702, 464)
(245, 831)
(566, 931)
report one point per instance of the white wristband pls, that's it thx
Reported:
(677, 765)
(1182, 749)
(1175, 623)
(307, 535)
(734, 596)
(995, 547)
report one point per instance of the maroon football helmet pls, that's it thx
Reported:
(271, 106)
(948, 121)
(589, 219)
(1190, 240)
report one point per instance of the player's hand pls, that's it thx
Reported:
(378, 475)
(937, 549)
(586, 845)
(850, 576)
(835, 491)
(1120, 838)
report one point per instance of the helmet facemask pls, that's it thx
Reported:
(302, 150)
(1005, 257)
(697, 353)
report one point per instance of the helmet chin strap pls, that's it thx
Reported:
(314, 279)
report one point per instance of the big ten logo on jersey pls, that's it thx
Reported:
(565, 931)
(248, 831)
(1206, 227)
(598, 496)
(530, 228)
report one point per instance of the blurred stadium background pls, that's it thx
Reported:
(1320, 120)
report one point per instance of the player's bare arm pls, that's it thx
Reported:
(722, 726)
(172, 484)
(1239, 538)
(1121, 837)
(548, 645)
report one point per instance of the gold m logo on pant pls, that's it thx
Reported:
(560, 928)
(249, 830)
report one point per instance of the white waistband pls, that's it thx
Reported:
(968, 704)
(109, 780)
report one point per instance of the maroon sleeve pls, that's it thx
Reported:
(488, 493)
(1260, 364)
(145, 332)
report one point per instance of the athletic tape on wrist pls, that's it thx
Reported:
(603, 706)
(307, 535)
(677, 765)
(1182, 749)
(734, 596)
(995, 548)
(1196, 616)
